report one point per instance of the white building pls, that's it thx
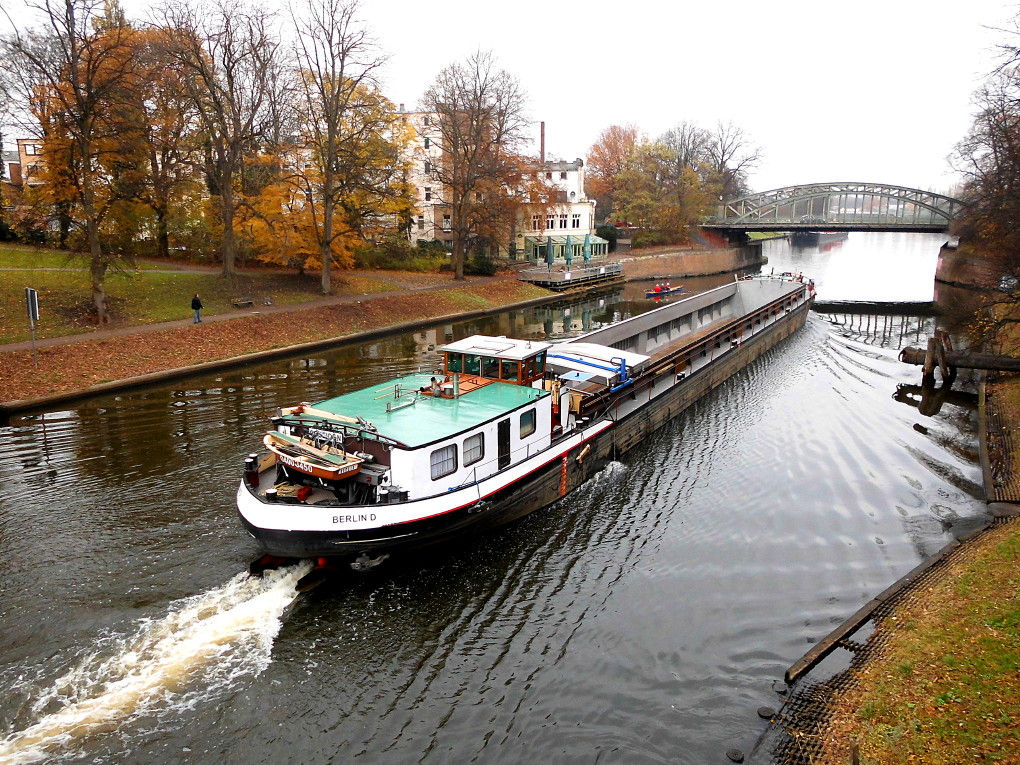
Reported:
(569, 218)
(431, 221)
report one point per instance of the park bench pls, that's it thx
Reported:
(241, 302)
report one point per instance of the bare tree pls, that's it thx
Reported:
(73, 77)
(351, 166)
(229, 56)
(482, 127)
(731, 156)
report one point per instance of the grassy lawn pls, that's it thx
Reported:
(29, 259)
(139, 297)
(945, 691)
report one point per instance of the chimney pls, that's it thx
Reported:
(541, 144)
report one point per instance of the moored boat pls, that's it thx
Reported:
(507, 426)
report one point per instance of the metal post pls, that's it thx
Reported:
(32, 308)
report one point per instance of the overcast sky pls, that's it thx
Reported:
(874, 90)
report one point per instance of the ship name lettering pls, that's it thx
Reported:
(354, 518)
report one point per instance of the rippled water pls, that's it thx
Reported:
(642, 619)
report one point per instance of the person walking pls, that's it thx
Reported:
(196, 306)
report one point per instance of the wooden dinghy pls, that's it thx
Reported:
(330, 463)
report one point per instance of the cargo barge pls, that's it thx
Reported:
(505, 427)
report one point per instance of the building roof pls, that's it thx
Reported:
(429, 419)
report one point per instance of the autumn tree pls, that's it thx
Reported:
(171, 145)
(663, 187)
(481, 126)
(348, 168)
(228, 57)
(607, 158)
(73, 76)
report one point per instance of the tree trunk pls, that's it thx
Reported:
(458, 258)
(325, 244)
(229, 241)
(162, 235)
(98, 272)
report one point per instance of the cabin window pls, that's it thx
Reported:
(508, 370)
(540, 364)
(454, 362)
(490, 368)
(472, 365)
(474, 448)
(444, 461)
(528, 420)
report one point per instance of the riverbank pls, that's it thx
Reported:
(61, 371)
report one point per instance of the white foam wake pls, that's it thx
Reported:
(225, 633)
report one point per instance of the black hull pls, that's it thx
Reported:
(547, 484)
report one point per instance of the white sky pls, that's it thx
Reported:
(873, 90)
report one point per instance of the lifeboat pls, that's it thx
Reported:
(302, 455)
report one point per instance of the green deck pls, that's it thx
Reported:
(430, 419)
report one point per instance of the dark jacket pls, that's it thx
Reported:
(196, 304)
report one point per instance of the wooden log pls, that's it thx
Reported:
(989, 361)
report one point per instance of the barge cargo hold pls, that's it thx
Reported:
(506, 427)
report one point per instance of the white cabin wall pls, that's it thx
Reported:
(412, 469)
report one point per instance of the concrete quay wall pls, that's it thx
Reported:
(660, 263)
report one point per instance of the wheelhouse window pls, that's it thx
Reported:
(472, 365)
(508, 370)
(528, 420)
(444, 461)
(540, 364)
(474, 448)
(454, 362)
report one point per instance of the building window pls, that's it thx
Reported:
(551, 221)
(428, 193)
(478, 196)
(536, 222)
(446, 223)
(563, 221)
(428, 168)
(548, 176)
(428, 142)
(33, 148)
(421, 222)
(443, 461)
(474, 448)
(575, 220)
(528, 423)
(426, 120)
(563, 176)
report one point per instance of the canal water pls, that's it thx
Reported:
(643, 619)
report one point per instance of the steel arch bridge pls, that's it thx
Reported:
(838, 207)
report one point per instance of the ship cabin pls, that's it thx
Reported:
(483, 358)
